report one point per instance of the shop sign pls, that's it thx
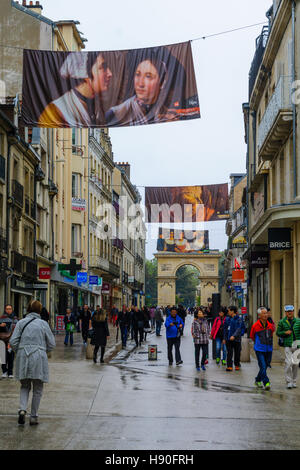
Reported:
(105, 288)
(78, 204)
(238, 275)
(130, 279)
(60, 326)
(244, 310)
(81, 278)
(279, 238)
(260, 259)
(45, 273)
(93, 280)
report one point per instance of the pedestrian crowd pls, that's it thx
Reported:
(29, 341)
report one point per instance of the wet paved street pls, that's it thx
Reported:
(133, 404)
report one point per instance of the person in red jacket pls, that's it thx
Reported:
(217, 333)
(262, 334)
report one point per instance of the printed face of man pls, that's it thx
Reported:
(101, 75)
(146, 82)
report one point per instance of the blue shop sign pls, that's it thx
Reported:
(81, 278)
(93, 281)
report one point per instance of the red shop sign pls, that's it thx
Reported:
(44, 273)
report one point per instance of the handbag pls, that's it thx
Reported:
(281, 342)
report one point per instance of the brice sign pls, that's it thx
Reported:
(279, 239)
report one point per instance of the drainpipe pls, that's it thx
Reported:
(294, 104)
(8, 221)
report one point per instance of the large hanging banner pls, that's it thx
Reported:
(108, 89)
(182, 241)
(185, 204)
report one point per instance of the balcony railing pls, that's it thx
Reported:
(18, 192)
(277, 119)
(261, 42)
(118, 243)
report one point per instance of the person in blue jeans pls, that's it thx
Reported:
(173, 326)
(70, 325)
(262, 334)
(217, 334)
(123, 321)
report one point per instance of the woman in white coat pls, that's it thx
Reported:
(31, 340)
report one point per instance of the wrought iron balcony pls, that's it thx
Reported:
(18, 192)
(276, 123)
(118, 243)
(261, 42)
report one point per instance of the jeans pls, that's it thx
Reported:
(198, 348)
(69, 333)
(174, 342)
(36, 396)
(233, 347)
(124, 335)
(220, 346)
(158, 327)
(264, 360)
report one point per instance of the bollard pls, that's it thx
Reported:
(245, 353)
(89, 349)
(2, 352)
(152, 352)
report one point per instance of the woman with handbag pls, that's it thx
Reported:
(147, 326)
(100, 334)
(8, 322)
(32, 339)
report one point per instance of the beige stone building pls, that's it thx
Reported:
(272, 135)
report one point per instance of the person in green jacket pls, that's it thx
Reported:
(289, 330)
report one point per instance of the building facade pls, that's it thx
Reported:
(273, 177)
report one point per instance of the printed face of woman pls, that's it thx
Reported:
(146, 82)
(101, 75)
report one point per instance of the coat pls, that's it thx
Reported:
(100, 333)
(285, 325)
(216, 326)
(200, 331)
(262, 336)
(234, 326)
(172, 331)
(31, 348)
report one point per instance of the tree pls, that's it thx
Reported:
(151, 282)
(186, 285)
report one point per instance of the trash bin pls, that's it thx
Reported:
(245, 353)
(152, 352)
(89, 349)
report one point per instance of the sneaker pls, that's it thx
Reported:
(179, 362)
(223, 362)
(22, 414)
(294, 385)
(267, 386)
(95, 360)
(206, 362)
(33, 421)
(259, 384)
(237, 368)
(10, 376)
(198, 369)
(229, 369)
(289, 386)
(218, 360)
(4, 375)
(203, 367)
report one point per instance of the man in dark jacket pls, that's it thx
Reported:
(234, 328)
(85, 322)
(8, 322)
(70, 325)
(138, 326)
(123, 321)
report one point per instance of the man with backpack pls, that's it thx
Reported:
(288, 331)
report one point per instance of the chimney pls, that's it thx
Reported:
(37, 8)
(125, 167)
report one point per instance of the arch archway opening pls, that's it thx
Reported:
(188, 291)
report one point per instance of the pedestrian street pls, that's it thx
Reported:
(131, 403)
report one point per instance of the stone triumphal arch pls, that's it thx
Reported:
(168, 264)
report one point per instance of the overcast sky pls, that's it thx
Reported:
(203, 151)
